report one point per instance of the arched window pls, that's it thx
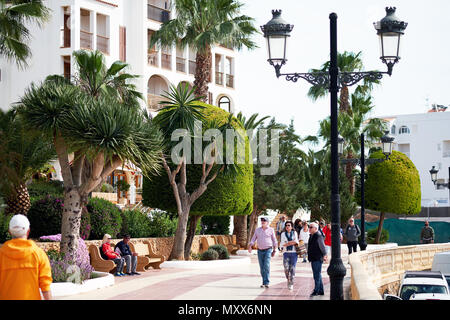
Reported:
(224, 103)
(393, 129)
(403, 130)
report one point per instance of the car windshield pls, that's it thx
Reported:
(408, 290)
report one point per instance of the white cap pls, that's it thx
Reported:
(19, 225)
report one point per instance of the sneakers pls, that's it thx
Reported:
(264, 286)
(290, 287)
(129, 274)
(313, 294)
(118, 274)
(136, 273)
(304, 261)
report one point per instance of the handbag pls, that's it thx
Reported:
(300, 248)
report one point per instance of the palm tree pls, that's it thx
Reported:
(103, 130)
(14, 34)
(202, 24)
(23, 153)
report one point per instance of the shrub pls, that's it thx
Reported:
(372, 234)
(45, 217)
(210, 254)
(66, 270)
(221, 250)
(106, 187)
(135, 223)
(123, 185)
(161, 224)
(4, 227)
(105, 218)
(39, 189)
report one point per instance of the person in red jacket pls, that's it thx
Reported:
(327, 232)
(110, 254)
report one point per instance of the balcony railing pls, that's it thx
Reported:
(219, 77)
(152, 58)
(192, 67)
(157, 14)
(446, 154)
(230, 81)
(103, 44)
(181, 64)
(85, 39)
(65, 38)
(166, 61)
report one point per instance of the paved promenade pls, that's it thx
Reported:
(240, 282)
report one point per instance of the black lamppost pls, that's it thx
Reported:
(276, 31)
(433, 173)
(387, 142)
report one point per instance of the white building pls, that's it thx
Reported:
(121, 29)
(425, 139)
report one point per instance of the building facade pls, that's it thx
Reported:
(121, 29)
(425, 139)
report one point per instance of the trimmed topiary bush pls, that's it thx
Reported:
(209, 254)
(161, 224)
(221, 250)
(135, 223)
(105, 218)
(372, 233)
(225, 196)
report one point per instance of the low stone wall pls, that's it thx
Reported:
(377, 272)
(161, 246)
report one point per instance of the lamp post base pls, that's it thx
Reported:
(336, 271)
(362, 245)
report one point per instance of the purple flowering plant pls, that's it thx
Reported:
(66, 270)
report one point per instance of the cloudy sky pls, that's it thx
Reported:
(422, 73)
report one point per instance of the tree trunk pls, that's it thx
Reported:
(240, 230)
(180, 234)
(71, 220)
(190, 236)
(253, 224)
(380, 228)
(344, 103)
(19, 201)
(349, 174)
(203, 73)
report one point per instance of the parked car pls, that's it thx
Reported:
(441, 262)
(422, 282)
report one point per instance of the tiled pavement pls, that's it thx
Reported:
(232, 283)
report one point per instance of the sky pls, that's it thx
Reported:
(420, 77)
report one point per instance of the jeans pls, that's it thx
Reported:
(131, 262)
(352, 245)
(264, 264)
(119, 262)
(289, 263)
(317, 273)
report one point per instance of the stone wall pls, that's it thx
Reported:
(161, 246)
(377, 272)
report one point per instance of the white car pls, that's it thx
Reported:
(431, 284)
(441, 262)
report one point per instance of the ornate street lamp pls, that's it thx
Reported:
(341, 143)
(390, 30)
(433, 173)
(277, 32)
(387, 142)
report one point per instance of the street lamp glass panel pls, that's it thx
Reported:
(390, 46)
(341, 142)
(433, 173)
(387, 148)
(276, 47)
(387, 142)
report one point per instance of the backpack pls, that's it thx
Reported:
(357, 228)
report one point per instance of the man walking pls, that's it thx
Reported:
(427, 234)
(352, 232)
(316, 255)
(130, 257)
(24, 267)
(280, 229)
(267, 244)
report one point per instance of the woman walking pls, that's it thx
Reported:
(288, 241)
(304, 236)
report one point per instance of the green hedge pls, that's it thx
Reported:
(105, 218)
(393, 185)
(136, 224)
(225, 195)
(39, 189)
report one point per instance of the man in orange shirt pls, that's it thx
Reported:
(24, 267)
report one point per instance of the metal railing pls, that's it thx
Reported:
(181, 64)
(158, 14)
(219, 78)
(166, 61)
(85, 39)
(230, 81)
(103, 44)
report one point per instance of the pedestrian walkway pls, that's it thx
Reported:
(230, 283)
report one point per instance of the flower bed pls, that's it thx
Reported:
(98, 280)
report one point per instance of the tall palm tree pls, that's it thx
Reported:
(202, 24)
(22, 153)
(14, 34)
(104, 130)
